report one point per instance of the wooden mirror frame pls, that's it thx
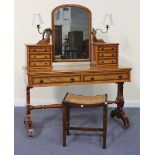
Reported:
(89, 32)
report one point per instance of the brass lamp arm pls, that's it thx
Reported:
(107, 27)
(38, 27)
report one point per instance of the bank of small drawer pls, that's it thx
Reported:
(40, 56)
(107, 61)
(56, 79)
(106, 77)
(109, 54)
(40, 63)
(107, 48)
(39, 49)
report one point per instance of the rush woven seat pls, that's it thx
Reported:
(80, 101)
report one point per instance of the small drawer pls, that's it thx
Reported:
(40, 56)
(106, 77)
(107, 61)
(107, 48)
(103, 54)
(56, 79)
(40, 63)
(39, 49)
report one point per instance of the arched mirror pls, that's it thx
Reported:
(71, 37)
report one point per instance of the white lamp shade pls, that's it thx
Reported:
(108, 19)
(37, 20)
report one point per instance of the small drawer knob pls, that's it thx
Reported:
(41, 81)
(72, 79)
(92, 78)
(46, 56)
(34, 64)
(120, 76)
(34, 57)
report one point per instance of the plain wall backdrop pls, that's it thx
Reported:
(125, 31)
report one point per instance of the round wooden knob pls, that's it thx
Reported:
(92, 78)
(72, 79)
(41, 81)
(120, 76)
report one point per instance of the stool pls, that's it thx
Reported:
(79, 101)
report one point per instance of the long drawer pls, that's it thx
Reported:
(40, 63)
(56, 79)
(106, 77)
(107, 48)
(40, 49)
(40, 56)
(103, 54)
(107, 61)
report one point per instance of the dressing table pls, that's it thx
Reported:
(73, 41)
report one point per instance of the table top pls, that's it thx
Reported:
(73, 70)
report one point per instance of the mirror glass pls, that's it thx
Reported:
(71, 34)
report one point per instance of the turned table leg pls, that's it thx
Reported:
(118, 112)
(64, 123)
(27, 118)
(68, 120)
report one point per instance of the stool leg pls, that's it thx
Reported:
(104, 125)
(64, 111)
(68, 120)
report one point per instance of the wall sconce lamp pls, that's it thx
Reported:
(37, 20)
(108, 21)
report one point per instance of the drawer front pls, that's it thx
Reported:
(40, 56)
(107, 61)
(106, 77)
(39, 49)
(107, 48)
(56, 79)
(40, 63)
(103, 54)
